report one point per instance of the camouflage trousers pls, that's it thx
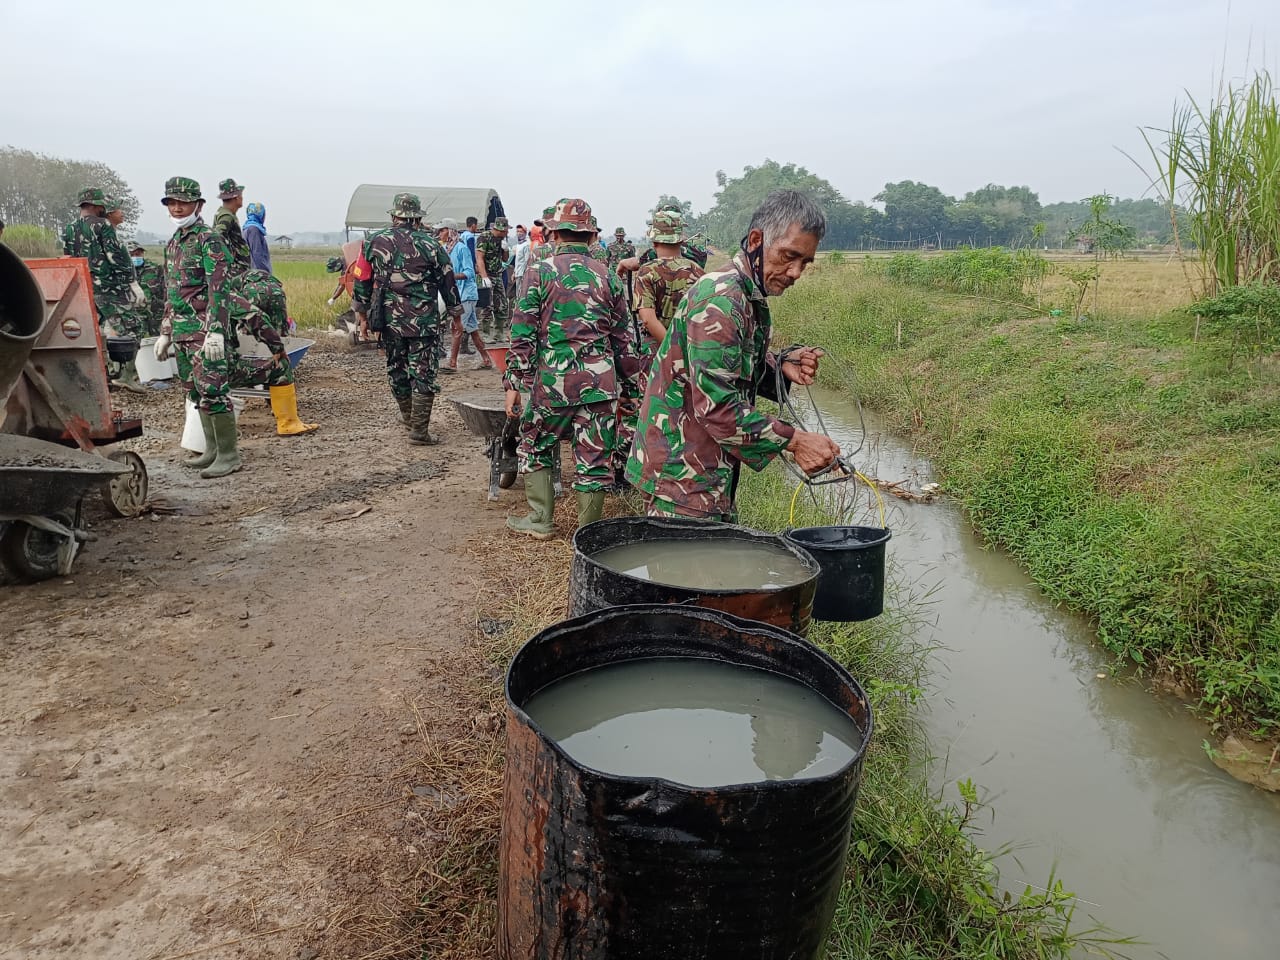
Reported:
(657, 507)
(122, 316)
(496, 317)
(413, 363)
(590, 429)
(209, 382)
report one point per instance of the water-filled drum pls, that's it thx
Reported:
(718, 566)
(610, 855)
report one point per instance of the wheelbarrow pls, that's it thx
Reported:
(484, 412)
(258, 357)
(42, 485)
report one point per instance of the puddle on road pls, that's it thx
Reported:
(1101, 780)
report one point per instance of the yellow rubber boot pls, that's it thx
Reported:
(284, 404)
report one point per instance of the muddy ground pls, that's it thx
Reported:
(212, 735)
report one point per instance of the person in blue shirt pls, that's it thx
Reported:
(468, 236)
(255, 234)
(464, 271)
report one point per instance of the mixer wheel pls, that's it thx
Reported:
(125, 494)
(30, 553)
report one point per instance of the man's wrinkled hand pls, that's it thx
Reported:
(801, 366)
(513, 403)
(812, 451)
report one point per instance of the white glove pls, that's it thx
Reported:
(163, 342)
(329, 301)
(486, 282)
(139, 295)
(214, 347)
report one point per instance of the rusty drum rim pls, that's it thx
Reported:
(741, 623)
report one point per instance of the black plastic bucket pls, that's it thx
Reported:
(594, 586)
(121, 349)
(595, 866)
(851, 586)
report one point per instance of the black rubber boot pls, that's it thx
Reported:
(420, 420)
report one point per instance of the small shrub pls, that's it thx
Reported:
(1248, 313)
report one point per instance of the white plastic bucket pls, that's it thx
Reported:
(149, 368)
(193, 432)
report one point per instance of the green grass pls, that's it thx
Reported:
(307, 286)
(31, 242)
(918, 887)
(1131, 468)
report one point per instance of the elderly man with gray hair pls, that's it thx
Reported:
(698, 421)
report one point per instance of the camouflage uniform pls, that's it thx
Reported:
(256, 306)
(110, 266)
(227, 225)
(411, 268)
(597, 251)
(698, 420)
(572, 355)
(695, 249)
(495, 318)
(197, 270)
(620, 249)
(151, 278)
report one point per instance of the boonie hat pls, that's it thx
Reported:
(572, 214)
(137, 248)
(620, 232)
(92, 195)
(668, 227)
(406, 206)
(501, 224)
(181, 188)
(112, 204)
(228, 188)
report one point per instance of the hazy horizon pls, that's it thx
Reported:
(303, 103)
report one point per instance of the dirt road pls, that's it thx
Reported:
(212, 736)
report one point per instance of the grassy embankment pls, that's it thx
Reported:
(1131, 465)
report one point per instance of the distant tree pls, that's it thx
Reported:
(726, 222)
(686, 207)
(914, 211)
(38, 189)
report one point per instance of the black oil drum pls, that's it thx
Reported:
(852, 558)
(594, 586)
(603, 867)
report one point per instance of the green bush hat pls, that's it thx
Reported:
(501, 225)
(136, 248)
(406, 206)
(620, 232)
(112, 204)
(572, 214)
(668, 227)
(92, 195)
(228, 188)
(181, 188)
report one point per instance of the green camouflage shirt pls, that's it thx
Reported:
(489, 250)
(687, 250)
(698, 416)
(256, 302)
(227, 226)
(618, 251)
(109, 262)
(410, 268)
(197, 266)
(571, 337)
(596, 251)
(151, 279)
(659, 286)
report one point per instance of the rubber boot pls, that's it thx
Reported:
(406, 409)
(284, 404)
(590, 506)
(227, 459)
(420, 420)
(541, 494)
(202, 460)
(128, 378)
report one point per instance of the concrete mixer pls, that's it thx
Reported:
(54, 398)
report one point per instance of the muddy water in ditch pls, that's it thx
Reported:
(702, 723)
(1100, 778)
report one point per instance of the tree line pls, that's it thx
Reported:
(42, 190)
(913, 215)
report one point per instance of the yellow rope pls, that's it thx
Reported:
(791, 518)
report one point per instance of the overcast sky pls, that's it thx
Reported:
(613, 102)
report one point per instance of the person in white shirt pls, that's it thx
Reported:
(518, 261)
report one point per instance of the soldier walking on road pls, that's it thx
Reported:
(490, 260)
(698, 420)
(227, 225)
(572, 358)
(197, 321)
(410, 269)
(620, 249)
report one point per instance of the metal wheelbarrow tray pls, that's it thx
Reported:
(484, 412)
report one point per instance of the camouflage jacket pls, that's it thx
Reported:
(698, 417)
(227, 225)
(411, 269)
(659, 286)
(489, 250)
(541, 251)
(109, 263)
(597, 251)
(197, 266)
(151, 279)
(619, 250)
(256, 303)
(687, 250)
(571, 336)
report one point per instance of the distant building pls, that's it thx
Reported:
(1084, 244)
(283, 241)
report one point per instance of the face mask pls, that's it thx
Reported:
(181, 222)
(137, 261)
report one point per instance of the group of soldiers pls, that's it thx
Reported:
(198, 303)
(647, 366)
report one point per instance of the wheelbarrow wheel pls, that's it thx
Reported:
(30, 553)
(125, 494)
